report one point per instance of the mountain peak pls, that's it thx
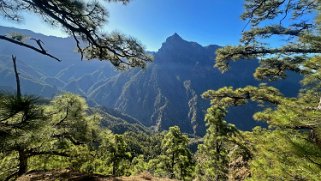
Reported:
(176, 43)
(174, 37)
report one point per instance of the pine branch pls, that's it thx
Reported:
(39, 50)
(268, 31)
(68, 137)
(34, 153)
(250, 51)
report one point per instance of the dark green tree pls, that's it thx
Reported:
(213, 154)
(34, 133)
(118, 155)
(20, 117)
(83, 20)
(176, 158)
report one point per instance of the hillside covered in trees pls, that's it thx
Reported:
(68, 136)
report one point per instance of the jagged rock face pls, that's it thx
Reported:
(167, 92)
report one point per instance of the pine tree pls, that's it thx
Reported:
(212, 156)
(33, 133)
(20, 118)
(119, 156)
(176, 159)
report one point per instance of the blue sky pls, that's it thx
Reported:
(152, 21)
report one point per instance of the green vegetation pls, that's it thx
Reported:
(289, 149)
(64, 133)
(212, 155)
(176, 159)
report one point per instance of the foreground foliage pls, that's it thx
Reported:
(289, 149)
(64, 134)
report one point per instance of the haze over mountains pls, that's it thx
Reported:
(166, 93)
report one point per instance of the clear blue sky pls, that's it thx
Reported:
(152, 21)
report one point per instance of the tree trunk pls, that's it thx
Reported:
(172, 166)
(114, 169)
(314, 137)
(23, 162)
(217, 178)
(114, 165)
(313, 133)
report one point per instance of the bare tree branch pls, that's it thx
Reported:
(17, 77)
(41, 50)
